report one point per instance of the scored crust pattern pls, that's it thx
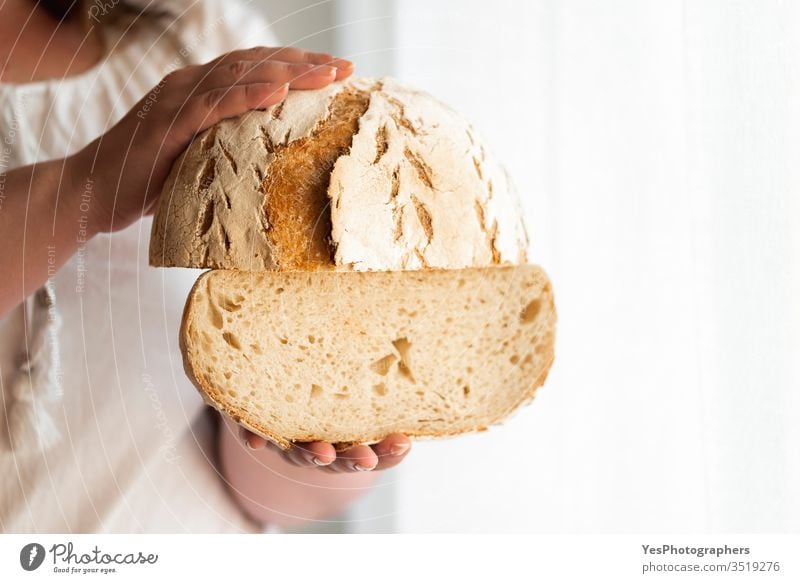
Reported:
(362, 175)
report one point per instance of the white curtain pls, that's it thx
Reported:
(657, 147)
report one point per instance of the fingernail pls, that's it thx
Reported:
(249, 445)
(400, 448)
(318, 462)
(361, 468)
(328, 70)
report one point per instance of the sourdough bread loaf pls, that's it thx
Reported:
(361, 175)
(369, 273)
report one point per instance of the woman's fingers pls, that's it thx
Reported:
(248, 79)
(344, 72)
(287, 54)
(312, 454)
(251, 440)
(391, 450)
(360, 458)
(204, 110)
(298, 75)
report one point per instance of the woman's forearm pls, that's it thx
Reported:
(273, 491)
(44, 218)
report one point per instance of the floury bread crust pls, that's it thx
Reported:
(362, 175)
(427, 353)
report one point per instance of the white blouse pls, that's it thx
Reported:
(135, 451)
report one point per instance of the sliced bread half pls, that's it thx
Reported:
(351, 357)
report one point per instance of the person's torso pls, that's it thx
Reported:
(134, 450)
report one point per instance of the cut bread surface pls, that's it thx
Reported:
(352, 357)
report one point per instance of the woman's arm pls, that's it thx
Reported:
(44, 218)
(291, 488)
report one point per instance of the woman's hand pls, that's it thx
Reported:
(386, 454)
(128, 165)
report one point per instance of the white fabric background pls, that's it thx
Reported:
(657, 147)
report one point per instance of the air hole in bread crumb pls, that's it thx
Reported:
(419, 393)
(316, 391)
(216, 315)
(232, 340)
(289, 398)
(379, 389)
(530, 311)
(311, 339)
(279, 290)
(232, 393)
(514, 359)
(227, 375)
(284, 340)
(465, 390)
(256, 349)
(230, 304)
(529, 358)
(341, 395)
(383, 365)
(403, 347)
(402, 367)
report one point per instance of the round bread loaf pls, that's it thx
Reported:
(445, 330)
